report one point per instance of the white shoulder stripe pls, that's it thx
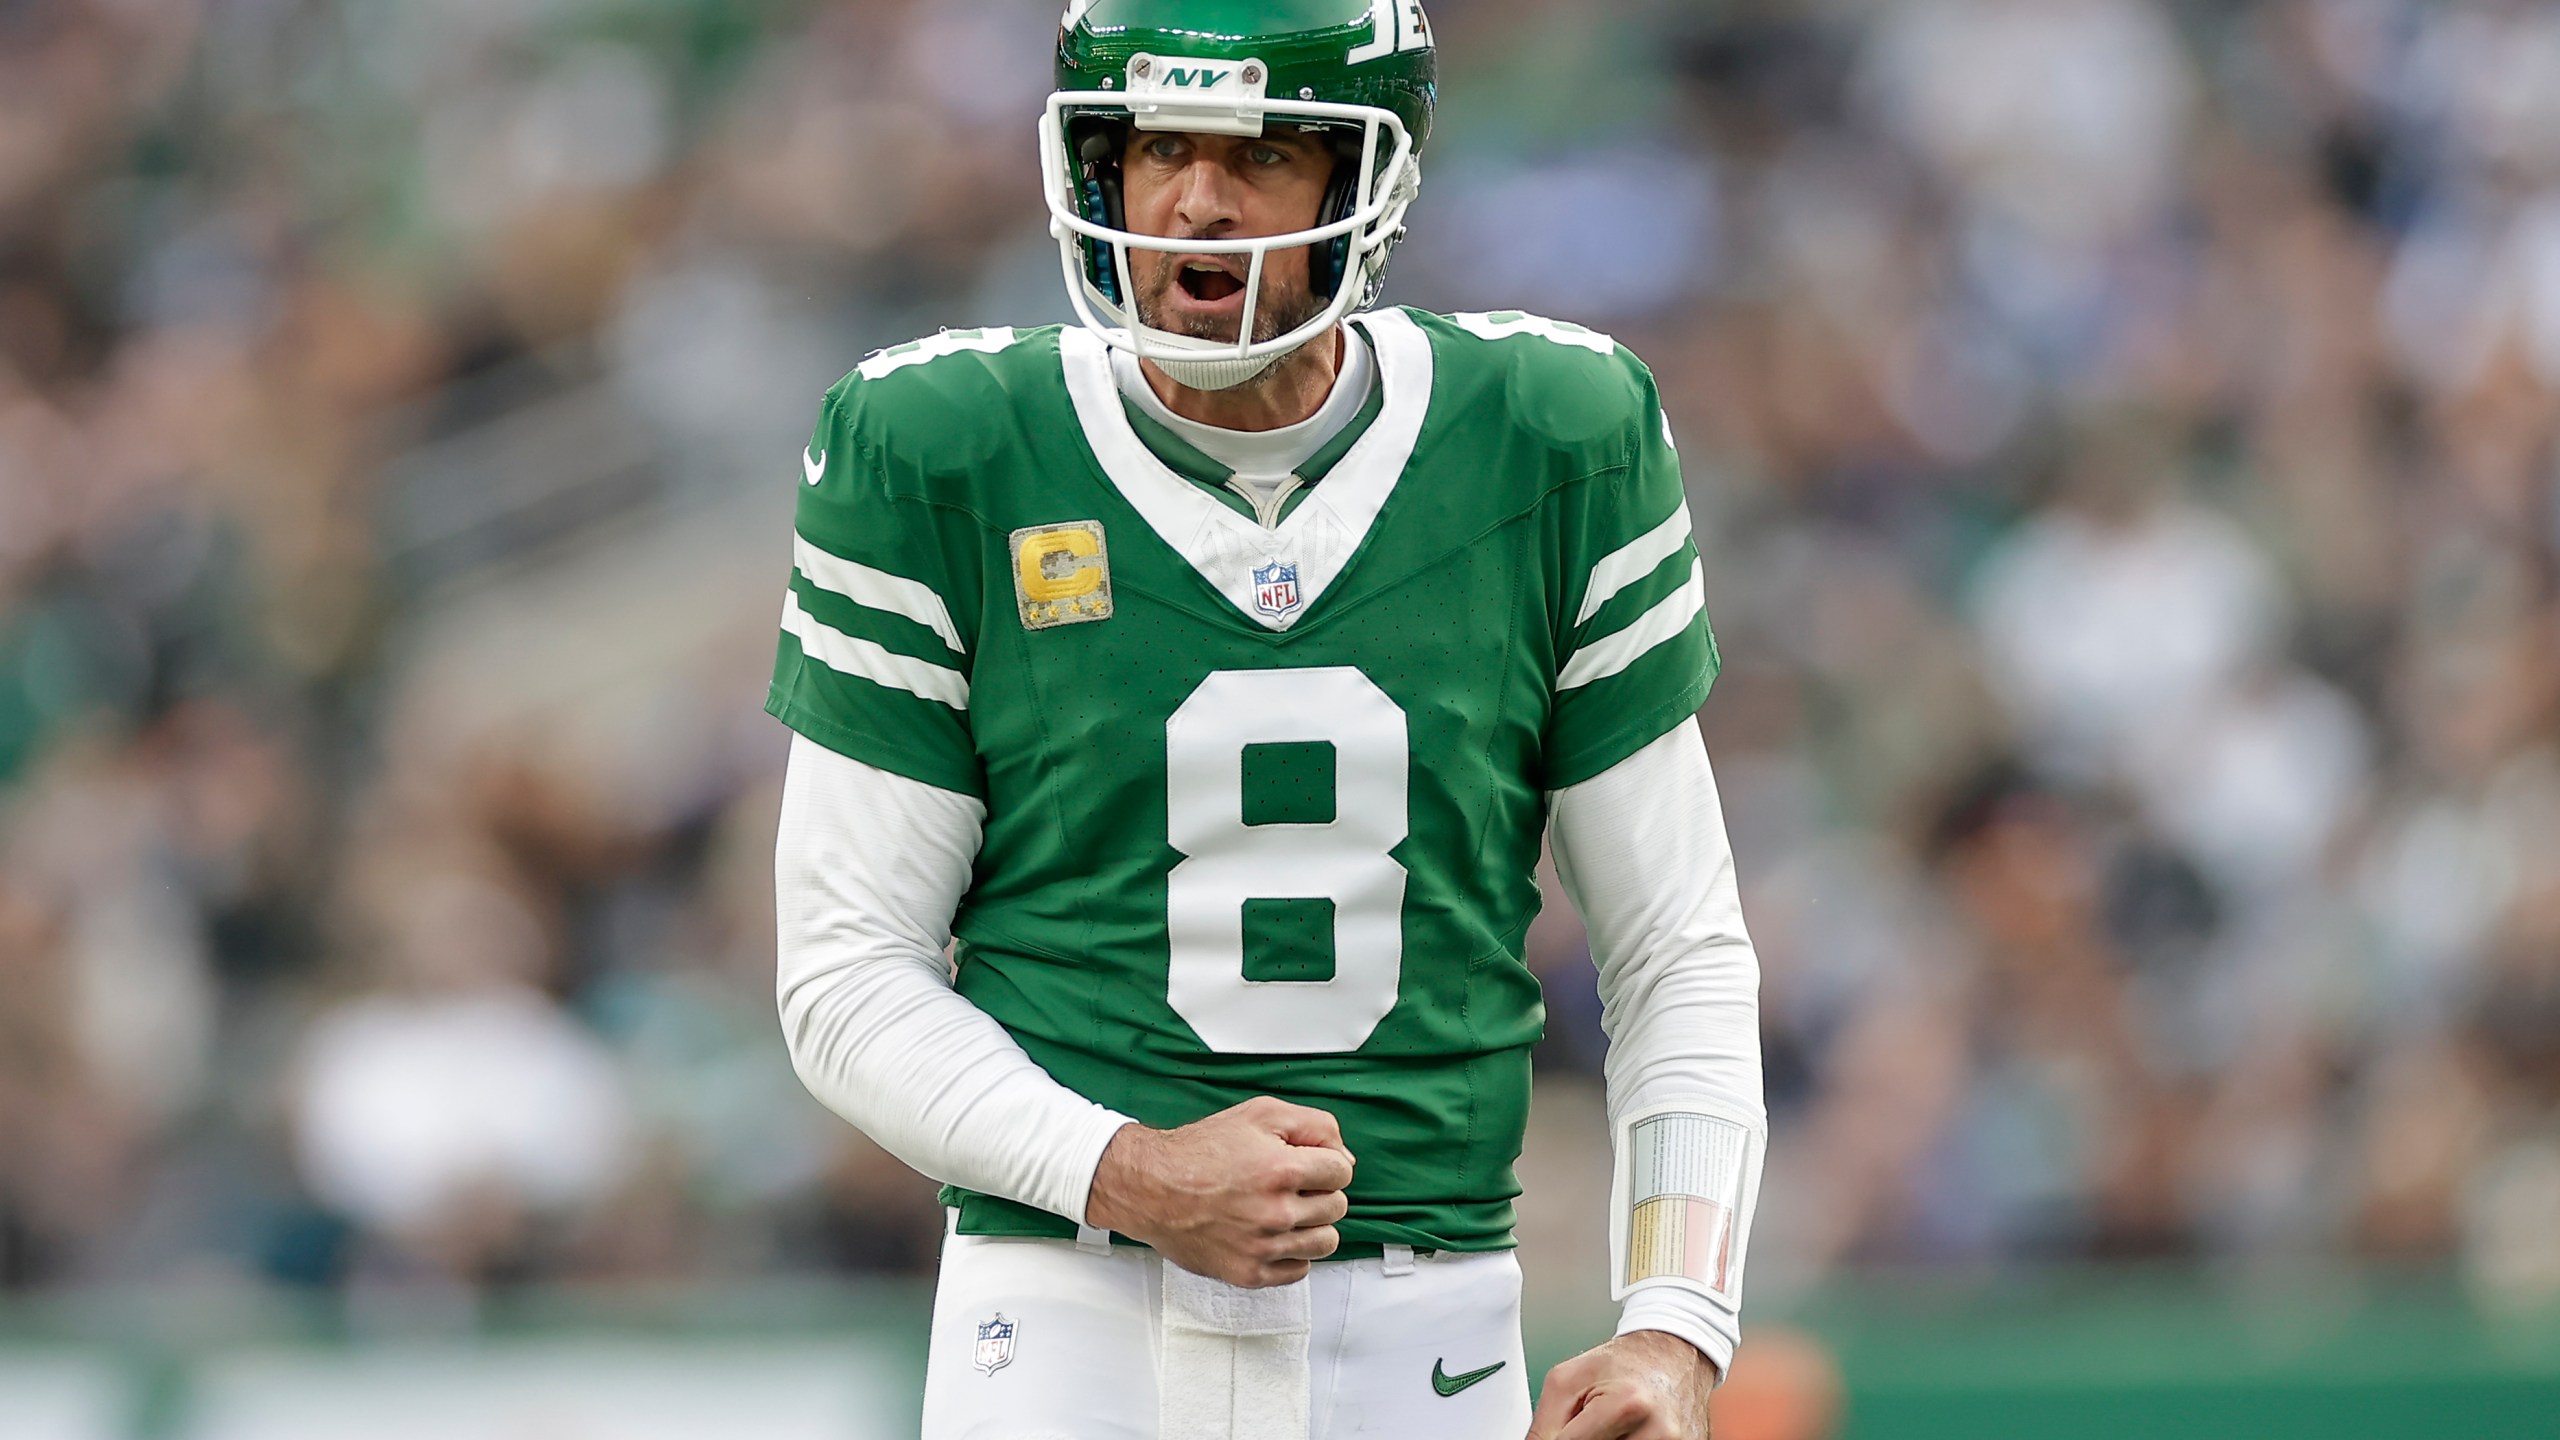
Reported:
(855, 656)
(1605, 657)
(1634, 560)
(878, 589)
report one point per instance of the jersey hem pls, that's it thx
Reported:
(1598, 757)
(856, 745)
(998, 1218)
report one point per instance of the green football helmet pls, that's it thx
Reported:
(1361, 71)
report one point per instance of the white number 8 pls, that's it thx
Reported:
(1228, 862)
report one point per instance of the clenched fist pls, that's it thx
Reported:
(1249, 1195)
(1644, 1385)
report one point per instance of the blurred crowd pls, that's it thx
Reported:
(2123, 434)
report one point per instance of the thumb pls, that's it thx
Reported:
(1306, 1125)
(1559, 1400)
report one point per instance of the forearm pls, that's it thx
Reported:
(868, 870)
(1642, 851)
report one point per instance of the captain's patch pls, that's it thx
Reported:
(1061, 574)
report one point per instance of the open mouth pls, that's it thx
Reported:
(1209, 282)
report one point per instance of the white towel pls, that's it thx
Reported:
(1234, 1360)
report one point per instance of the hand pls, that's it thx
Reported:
(1249, 1195)
(1644, 1385)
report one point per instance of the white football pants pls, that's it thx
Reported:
(1043, 1340)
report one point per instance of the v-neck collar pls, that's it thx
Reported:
(1195, 465)
(1271, 577)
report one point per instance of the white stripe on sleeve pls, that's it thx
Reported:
(1610, 654)
(878, 589)
(855, 656)
(1633, 561)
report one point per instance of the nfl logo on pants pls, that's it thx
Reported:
(995, 1344)
(1275, 588)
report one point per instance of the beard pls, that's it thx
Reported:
(1285, 304)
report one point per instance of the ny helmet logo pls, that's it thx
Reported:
(1196, 79)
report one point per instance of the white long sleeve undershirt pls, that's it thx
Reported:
(1641, 849)
(868, 871)
(871, 866)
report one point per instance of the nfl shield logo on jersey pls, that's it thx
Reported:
(1275, 588)
(995, 1344)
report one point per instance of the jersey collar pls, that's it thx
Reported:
(1322, 534)
(1191, 463)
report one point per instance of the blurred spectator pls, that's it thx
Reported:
(2122, 610)
(456, 1104)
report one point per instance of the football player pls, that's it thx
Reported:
(1204, 676)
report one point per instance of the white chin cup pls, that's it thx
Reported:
(1221, 374)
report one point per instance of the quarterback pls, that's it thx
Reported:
(1181, 697)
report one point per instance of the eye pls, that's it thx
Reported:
(1267, 156)
(1164, 147)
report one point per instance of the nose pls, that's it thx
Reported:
(1205, 200)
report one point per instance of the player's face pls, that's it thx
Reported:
(1222, 187)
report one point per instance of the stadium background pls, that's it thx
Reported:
(2123, 438)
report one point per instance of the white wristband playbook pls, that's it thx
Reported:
(1681, 1198)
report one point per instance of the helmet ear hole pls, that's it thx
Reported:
(1327, 259)
(1098, 199)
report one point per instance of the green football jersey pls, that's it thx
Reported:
(1263, 804)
